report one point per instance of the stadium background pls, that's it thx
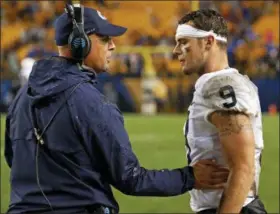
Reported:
(145, 79)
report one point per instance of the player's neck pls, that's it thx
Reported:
(216, 62)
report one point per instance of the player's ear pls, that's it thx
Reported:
(209, 42)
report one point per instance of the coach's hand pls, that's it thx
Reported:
(209, 175)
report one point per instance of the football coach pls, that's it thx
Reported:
(66, 144)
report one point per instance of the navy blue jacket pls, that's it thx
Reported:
(86, 147)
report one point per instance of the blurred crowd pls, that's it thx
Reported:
(27, 34)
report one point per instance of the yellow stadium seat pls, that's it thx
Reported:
(132, 5)
(266, 23)
(22, 52)
(173, 66)
(10, 34)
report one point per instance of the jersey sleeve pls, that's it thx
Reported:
(228, 93)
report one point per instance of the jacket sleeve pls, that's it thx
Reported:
(105, 129)
(8, 144)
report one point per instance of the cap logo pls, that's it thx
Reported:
(100, 15)
(92, 30)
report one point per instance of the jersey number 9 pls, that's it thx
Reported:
(228, 92)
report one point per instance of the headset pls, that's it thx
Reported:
(78, 41)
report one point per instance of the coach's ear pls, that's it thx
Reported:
(209, 42)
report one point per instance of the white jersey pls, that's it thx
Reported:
(221, 90)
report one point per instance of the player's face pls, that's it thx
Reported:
(100, 53)
(190, 54)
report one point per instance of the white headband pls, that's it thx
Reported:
(189, 31)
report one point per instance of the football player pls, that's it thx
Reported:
(224, 119)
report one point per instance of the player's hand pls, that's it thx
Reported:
(209, 175)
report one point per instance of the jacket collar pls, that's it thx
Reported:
(91, 73)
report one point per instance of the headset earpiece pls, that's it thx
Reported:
(79, 45)
(78, 41)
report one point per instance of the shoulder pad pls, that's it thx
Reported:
(230, 91)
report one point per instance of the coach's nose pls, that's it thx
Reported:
(111, 45)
